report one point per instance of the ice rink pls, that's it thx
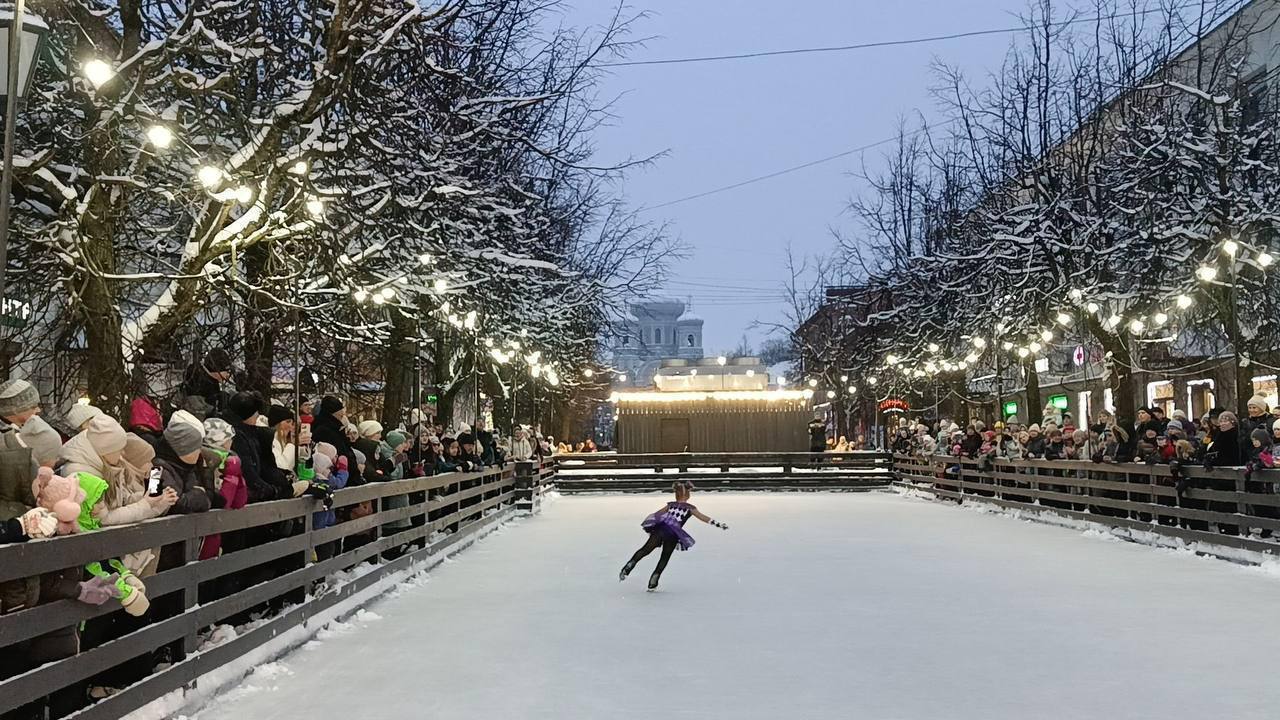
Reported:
(851, 606)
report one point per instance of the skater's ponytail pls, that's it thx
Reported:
(685, 485)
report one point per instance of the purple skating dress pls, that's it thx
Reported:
(669, 523)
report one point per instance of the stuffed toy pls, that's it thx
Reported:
(61, 496)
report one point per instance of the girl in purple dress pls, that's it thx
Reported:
(666, 530)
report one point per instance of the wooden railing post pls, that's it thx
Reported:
(526, 496)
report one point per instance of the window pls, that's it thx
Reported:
(1199, 397)
(1059, 402)
(657, 336)
(1085, 407)
(1160, 394)
(689, 340)
(1042, 365)
(1265, 385)
(1108, 401)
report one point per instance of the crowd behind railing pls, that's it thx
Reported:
(205, 449)
(1220, 439)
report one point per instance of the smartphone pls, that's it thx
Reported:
(153, 482)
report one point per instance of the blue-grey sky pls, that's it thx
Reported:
(723, 122)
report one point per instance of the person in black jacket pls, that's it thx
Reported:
(204, 379)
(1146, 421)
(1224, 450)
(330, 427)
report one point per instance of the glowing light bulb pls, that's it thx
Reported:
(721, 360)
(1184, 301)
(970, 358)
(1092, 307)
(160, 136)
(379, 300)
(1076, 293)
(1035, 347)
(813, 383)
(1231, 247)
(388, 293)
(831, 394)
(844, 378)
(244, 194)
(425, 259)
(891, 359)
(588, 373)
(622, 378)
(209, 176)
(872, 380)
(1265, 259)
(361, 295)
(299, 168)
(98, 72)
(1064, 319)
(933, 347)
(750, 373)
(1160, 318)
(1114, 320)
(1006, 345)
(1137, 326)
(1046, 335)
(440, 285)
(852, 389)
(1207, 273)
(315, 206)
(1023, 352)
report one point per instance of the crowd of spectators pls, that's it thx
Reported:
(205, 449)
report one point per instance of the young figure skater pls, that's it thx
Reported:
(666, 530)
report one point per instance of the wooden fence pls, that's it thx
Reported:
(647, 472)
(1219, 506)
(282, 572)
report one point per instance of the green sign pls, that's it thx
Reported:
(433, 398)
(1058, 401)
(1010, 409)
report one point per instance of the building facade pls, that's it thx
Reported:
(656, 330)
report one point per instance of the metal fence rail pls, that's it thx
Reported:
(274, 576)
(646, 472)
(1218, 506)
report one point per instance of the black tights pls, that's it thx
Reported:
(668, 546)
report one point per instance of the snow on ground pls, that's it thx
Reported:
(869, 606)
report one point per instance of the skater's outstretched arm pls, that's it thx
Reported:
(698, 514)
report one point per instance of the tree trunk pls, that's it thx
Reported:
(1119, 373)
(397, 371)
(1035, 410)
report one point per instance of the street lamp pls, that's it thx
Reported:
(23, 41)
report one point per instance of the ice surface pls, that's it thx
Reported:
(868, 606)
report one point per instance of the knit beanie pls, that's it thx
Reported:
(183, 437)
(197, 406)
(44, 441)
(396, 438)
(217, 360)
(138, 452)
(1263, 437)
(1256, 401)
(188, 418)
(327, 449)
(278, 414)
(330, 405)
(360, 457)
(17, 396)
(217, 432)
(369, 428)
(323, 465)
(244, 405)
(80, 414)
(465, 438)
(105, 435)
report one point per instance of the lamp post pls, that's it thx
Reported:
(24, 40)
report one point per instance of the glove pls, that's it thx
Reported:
(719, 524)
(300, 487)
(135, 600)
(39, 523)
(342, 463)
(99, 589)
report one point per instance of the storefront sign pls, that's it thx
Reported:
(1077, 357)
(894, 405)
